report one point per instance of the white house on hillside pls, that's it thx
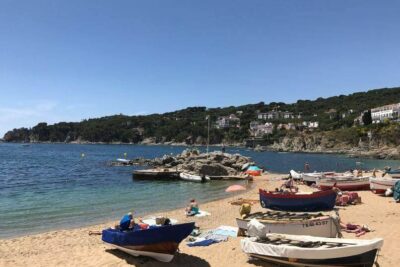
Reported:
(227, 121)
(385, 112)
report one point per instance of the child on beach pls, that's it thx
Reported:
(193, 208)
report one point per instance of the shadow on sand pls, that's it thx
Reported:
(180, 259)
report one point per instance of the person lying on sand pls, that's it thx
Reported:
(193, 208)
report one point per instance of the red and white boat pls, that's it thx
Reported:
(311, 178)
(380, 185)
(345, 184)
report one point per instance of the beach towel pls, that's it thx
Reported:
(202, 242)
(202, 213)
(226, 231)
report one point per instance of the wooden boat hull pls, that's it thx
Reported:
(155, 175)
(339, 252)
(345, 184)
(363, 260)
(149, 251)
(160, 243)
(322, 200)
(380, 185)
(324, 226)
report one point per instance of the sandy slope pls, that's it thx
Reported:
(76, 248)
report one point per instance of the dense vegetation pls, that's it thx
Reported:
(190, 125)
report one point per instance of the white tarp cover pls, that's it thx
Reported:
(256, 229)
(357, 247)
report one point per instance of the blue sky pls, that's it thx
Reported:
(70, 60)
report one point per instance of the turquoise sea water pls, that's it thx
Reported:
(50, 186)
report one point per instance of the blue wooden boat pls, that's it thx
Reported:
(158, 242)
(316, 201)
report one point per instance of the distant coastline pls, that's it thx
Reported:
(383, 153)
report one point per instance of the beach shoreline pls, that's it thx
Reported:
(75, 247)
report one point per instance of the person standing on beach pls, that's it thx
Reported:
(306, 167)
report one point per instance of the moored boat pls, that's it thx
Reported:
(323, 224)
(301, 250)
(381, 184)
(349, 184)
(193, 178)
(313, 201)
(159, 242)
(158, 174)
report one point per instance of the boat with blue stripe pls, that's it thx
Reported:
(315, 201)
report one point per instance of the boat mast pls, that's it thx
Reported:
(208, 132)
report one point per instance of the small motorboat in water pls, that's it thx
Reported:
(156, 174)
(158, 242)
(313, 201)
(302, 250)
(193, 178)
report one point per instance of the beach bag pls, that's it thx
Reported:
(245, 209)
(396, 191)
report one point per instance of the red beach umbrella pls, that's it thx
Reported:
(235, 187)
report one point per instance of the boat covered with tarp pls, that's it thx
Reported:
(307, 201)
(158, 242)
(324, 224)
(301, 250)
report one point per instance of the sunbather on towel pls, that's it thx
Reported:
(192, 209)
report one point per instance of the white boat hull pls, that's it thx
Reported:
(136, 253)
(349, 184)
(295, 175)
(380, 185)
(324, 227)
(352, 247)
(193, 178)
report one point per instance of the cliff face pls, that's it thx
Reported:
(329, 143)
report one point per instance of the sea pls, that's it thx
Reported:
(56, 186)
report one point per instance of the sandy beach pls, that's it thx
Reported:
(75, 247)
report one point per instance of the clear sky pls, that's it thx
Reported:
(73, 59)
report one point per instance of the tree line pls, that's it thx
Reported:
(190, 125)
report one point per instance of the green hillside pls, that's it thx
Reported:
(190, 124)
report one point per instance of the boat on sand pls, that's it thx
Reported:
(393, 173)
(381, 184)
(158, 242)
(349, 184)
(302, 250)
(313, 201)
(323, 224)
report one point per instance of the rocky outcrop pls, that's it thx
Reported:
(328, 143)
